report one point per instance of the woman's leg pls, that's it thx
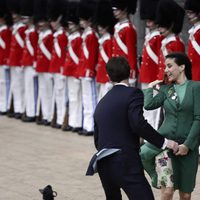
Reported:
(167, 193)
(184, 195)
(147, 154)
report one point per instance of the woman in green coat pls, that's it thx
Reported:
(181, 102)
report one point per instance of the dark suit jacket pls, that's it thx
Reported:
(119, 121)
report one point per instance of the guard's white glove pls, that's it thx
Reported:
(19, 69)
(50, 76)
(109, 86)
(34, 64)
(132, 81)
(63, 78)
(77, 80)
(5, 67)
(35, 74)
(88, 78)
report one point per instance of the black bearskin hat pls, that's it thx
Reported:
(129, 5)
(148, 9)
(193, 5)
(86, 9)
(170, 15)
(40, 10)
(104, 15)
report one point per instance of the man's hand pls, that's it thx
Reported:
(182, 150)
(172, 145)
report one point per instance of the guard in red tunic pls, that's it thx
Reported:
(169, 18)
(105, 21)
(14, 60)
(5, 37)
(29, 62)
(125, 37)
(152, 44)
(88, 62)
(71, 70)
(43, 59)
(192, 8)
(150, 54)
(59, 100)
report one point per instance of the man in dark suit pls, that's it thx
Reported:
(119, 124)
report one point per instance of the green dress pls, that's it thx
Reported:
(182, 124)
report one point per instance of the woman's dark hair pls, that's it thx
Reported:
(182, 59)
(118, 69)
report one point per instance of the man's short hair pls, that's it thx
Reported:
(118, 69)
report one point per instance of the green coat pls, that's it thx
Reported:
(182, 124)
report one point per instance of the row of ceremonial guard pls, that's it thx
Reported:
(48, 67)
(59, 73)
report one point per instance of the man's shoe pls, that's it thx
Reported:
(82, 132)
(46, 123)
(76, 129)
(10, 115)
(88, 133)
(39, 121)
(58, 126)
(68, 128)
(3, 113)
(18, 115)
(28, 119)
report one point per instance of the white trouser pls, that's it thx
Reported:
(103, 88)
(31, 91)
(17, 89)
(45, 93)
(75, 102)
(4, 87)
(89, 102)
(152, 116)
(59, 97)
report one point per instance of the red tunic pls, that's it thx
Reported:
(150, 55)
(125, 44)
(17, 44)
(5, 38)
(58, 51)
(44, 49)
(194, 51)
(30, 49)
(71, 66)
(89, 53)
(105, 53)
(170, 44)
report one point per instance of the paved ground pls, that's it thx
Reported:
(33, 156)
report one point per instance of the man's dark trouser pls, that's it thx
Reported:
(126, 172)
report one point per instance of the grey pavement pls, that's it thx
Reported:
(33, 156)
